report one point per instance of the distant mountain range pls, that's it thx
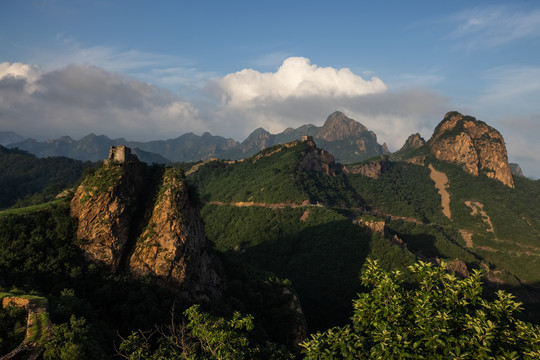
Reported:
(348, 140)
(10, 137)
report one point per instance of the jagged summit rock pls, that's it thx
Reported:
(105, 204)
(318, 160)
(143, 220)
(173, 245)
(477, 147)
(414, 141)
(339, 127)
(516, 170)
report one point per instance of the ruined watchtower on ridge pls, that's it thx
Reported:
(120, 153)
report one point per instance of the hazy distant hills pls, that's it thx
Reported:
(348, 140)
(9, 137)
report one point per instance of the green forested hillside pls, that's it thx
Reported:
(23, 176)
(296, 241)
(285, 236)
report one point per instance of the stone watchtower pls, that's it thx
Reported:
(120, 153)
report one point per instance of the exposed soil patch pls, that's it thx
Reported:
(478, 208)
(305, 215)
(441, 183)
(467, 236)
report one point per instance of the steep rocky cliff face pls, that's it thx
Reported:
(104, 205)
(318, 160)
(140, 219)
(173, 245)
(373, 169)
(479, 148)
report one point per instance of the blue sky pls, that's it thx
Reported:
(153, 70)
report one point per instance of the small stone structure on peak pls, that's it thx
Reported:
(120, 153)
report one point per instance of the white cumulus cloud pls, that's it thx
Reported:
(297, 78)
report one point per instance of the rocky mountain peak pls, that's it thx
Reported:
(478, 147)
(140, 219)
(516, 170)
(339, 127)
(414, 141)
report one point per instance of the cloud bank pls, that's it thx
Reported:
(79, 99)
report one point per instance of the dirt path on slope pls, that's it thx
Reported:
(282, 205)
(441, 183)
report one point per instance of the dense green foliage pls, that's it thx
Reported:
(259, 179)
(72, 341)
(443, 318)
(12, 328)
(39, 253)
(90, 305)
(289, 238)
(512, 212)
(201, 336)
(272, 177)
(29, 180)
(321, 254)
(404, 190)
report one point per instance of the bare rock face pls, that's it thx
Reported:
(473, 144)
(298, 330)
(414, 141)
(140, 219)
(459, 268)
(318, 160)
(104, 205)
(372, 169)
(173, 245)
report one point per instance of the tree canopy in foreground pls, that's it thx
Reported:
(443, 318)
